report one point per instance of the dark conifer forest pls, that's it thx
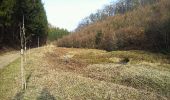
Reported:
(12, 15)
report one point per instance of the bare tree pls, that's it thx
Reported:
(22, 36)
(38, 41)
(109, 10)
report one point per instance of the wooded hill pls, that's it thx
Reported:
(12, 13)
(133, 24)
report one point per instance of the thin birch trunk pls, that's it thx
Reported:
(23, 59)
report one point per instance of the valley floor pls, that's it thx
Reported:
(54, 73)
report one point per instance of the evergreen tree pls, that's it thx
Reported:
(35, 19)
(56, 33)
(6, 20)
(11, 17)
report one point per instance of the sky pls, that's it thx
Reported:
(68, 13)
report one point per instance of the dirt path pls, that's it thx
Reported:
(8, 58)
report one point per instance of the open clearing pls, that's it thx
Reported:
(54, 73)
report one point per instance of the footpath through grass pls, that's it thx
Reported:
(10, 80)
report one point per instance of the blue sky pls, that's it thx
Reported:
(68, 13)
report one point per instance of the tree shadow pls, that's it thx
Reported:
(28, 77)
(19, 95)
(45, 95)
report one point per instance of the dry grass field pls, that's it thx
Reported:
(54, 73)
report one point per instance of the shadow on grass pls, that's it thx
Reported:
(45, 95)
(19, 96)
(28, 77)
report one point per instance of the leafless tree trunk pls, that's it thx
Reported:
(29, 50)
(38, 42)
(25, 42)
(166, 41)
(2, 33)
(22, 35)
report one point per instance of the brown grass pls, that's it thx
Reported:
(65, 73)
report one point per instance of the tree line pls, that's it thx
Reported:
(12, 13)
(54, 33)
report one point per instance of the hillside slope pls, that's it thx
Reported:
(146, 27)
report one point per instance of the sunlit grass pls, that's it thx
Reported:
(10, 80)
(137, 56)
(142, 77)
(103, 77)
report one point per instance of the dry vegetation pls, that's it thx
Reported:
(144, 28)
(80, 74)
(55, 73)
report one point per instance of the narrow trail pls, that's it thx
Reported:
(8, 58)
